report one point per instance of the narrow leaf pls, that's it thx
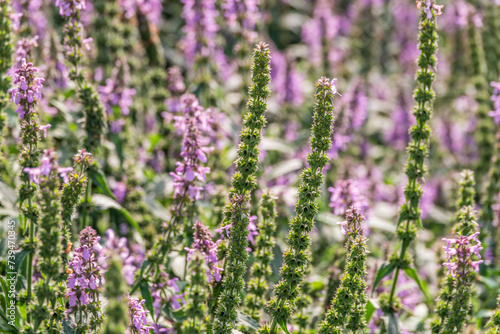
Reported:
(146, 294)
(102, 202)
(371, 307)
(99, 179)
(385, 270)
(412, 273)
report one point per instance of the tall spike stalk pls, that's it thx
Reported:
(409, 217)
(295, 258)
(244, 181)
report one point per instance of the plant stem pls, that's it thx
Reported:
(88, 194)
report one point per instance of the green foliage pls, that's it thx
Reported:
(261, 270)
(243, 182)
(418, 148)
(347, 313)
(5, 59)
(116, 310)
(295, 259)
(196, 296)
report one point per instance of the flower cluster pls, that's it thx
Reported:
(203, 243)
(345, 194)
(430, 8)
(131, 258)
(200, 29)
(86, 281)
(70, 7)
(152, 9)
(242, 13)
(138, 316)
(28, 88)
(112, 95)
(354, 109)
(460, 252)
(287, 81)
(348, 305)
(320, 30)
(193, 124)
(117, 97)
(25, 48)
(26, 95)
(454, 305)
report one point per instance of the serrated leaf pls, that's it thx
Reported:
(412, 273)
(385, 270)
(371, 307)
(5, 290)
(146, 294)
(99, 179)
(102, 202)
(393, 327)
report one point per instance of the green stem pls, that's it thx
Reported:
(30, 263)
(88, 193)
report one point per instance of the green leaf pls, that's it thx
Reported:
(177, 315)
(412, 273)
(3, 302)
(283, 326)
(99, 179)
(5, 290)
(385, 270)
(13, 329)
(146, 294)
(490, 283)
(102, 202)
(145, 264)
(393, 327)
(20, 259)
(371, 306)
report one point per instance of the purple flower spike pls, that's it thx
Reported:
(87, 278)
